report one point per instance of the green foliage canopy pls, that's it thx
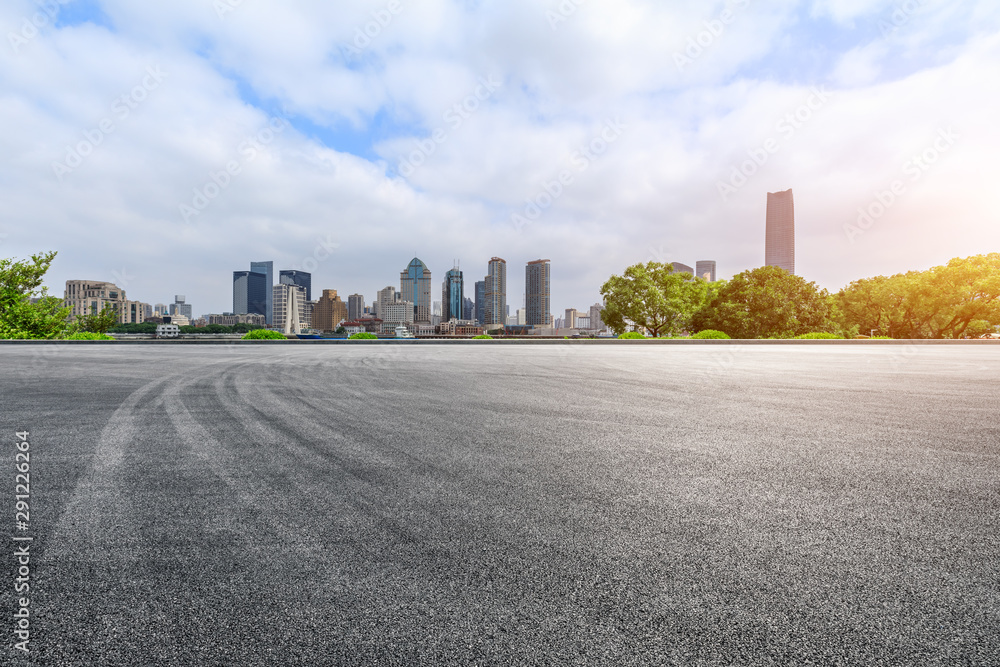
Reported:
(20, 282)
(651, 296)
(767, 302)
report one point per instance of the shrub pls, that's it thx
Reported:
(88, 335)
(364, 335)
(818, 335)
(482, 337)
(710, 334)
(263, 334)
(881, 338)
(632, 335)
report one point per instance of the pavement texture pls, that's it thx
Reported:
(530, 505)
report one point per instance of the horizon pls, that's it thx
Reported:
(167, 146)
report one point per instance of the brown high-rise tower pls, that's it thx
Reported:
(779, 237)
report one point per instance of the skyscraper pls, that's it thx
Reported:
(355, 306)
(300, 278)
(469, 309)
(248, 293)
(180, 307)
(481, 301)
(705, 268)
(386, 296)
(452, 295)
(779, 238)
(682, 268)
(415, 287)
(537, 292)
(266, 268)
(289, 302)
(495, 311)
(329, 311)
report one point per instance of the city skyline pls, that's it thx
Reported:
(157, 164)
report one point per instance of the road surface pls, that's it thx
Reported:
(559, 504)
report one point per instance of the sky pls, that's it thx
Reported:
(161, 146)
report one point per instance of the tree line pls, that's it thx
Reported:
(957, 300)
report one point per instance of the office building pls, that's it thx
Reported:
(537, 293)
(180, 307)
(231, 319)
(596, 323)
(89, 297)
(249, 293)
(779, 235)
(682, 268)
(415, 287)
(267, 269)
(355, 306)
(329, 311)
(480, 301)
(569, 321)
(452, 295)
(468, 310)
(705, 269)
(300, 278)
(289, 303)
(495, 309)
(385, 296)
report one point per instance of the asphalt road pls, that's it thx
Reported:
(435, 504)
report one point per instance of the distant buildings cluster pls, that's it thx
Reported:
(288, 306)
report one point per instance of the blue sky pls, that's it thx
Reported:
(372, 155)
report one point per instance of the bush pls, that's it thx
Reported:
(482, 337)
(881, 338)
(818, 335)
(632, 335)
(263, 334)
(364, 335)
(710, 334)
(88, 335)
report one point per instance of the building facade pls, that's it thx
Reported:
(89, 297)
(682, 268)
(480, 301)
(415, 287)
(779, 235)
(300, 278)
(181, 307)
(453, 296)
(289, 304)
(267, 270)
(495, 308)
(385, 296)
(705, 269)
(249, 293)
(596, 323)
(329, 311)
(537, 293)
(355, 306)
(230, 319)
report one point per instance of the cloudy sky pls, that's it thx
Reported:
(162, 145)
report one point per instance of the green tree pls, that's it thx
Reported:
(942, 302)
(99, 322)
(767, 302)
(20, 282)
(340, 330)
(130, 328)
(651, 296)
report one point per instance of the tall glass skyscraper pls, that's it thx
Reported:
(266, 268)
(415, 287)
(496, 293)
(705, 268)
(537, 292)
(300, 278)
(779, 238)
(249, 293)
(452, 295)
(480, 301)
